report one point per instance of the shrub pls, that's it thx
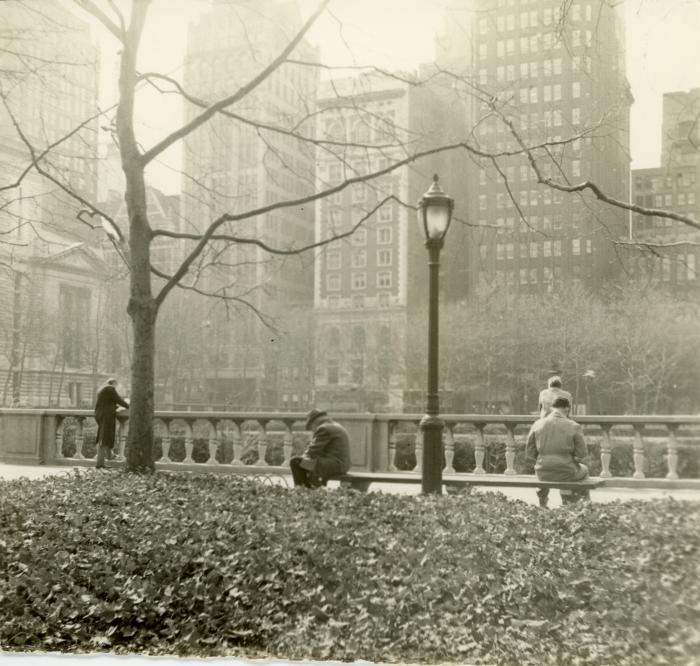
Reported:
(218, 565)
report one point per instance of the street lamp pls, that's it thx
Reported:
(434, 216)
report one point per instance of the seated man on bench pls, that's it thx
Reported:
(556, 442)
(326, 456)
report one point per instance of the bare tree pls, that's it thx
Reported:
(206, 241)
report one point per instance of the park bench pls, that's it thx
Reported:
(362, 480)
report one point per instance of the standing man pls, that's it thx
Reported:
(550, 394)
(327, 455)
(556, 442)
(106, 416)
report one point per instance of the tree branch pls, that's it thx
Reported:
(91, 8)
(239, 94)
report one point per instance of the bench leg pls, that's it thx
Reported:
(360, 485)
(457, 488)
(573, 496)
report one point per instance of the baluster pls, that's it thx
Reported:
(79, 438)
(393, 428)
(121, 439)
(287, 442)
(479, 448)
(213, 441)
(262, 442)
(419, 450)
(638, 453)
(59, 438)
(189, 442)
(606, 451)
(449, 447)
(165, 442)
(237, 443)
(510, 449)
(672, 452)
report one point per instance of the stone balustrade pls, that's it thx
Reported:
(625, 450)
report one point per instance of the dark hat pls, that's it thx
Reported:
(312, 416)
(561, 402)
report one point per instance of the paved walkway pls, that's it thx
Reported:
(524, 494)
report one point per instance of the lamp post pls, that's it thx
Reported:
(434, 216)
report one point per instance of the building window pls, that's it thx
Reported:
(533, 250)
(383, 299)
(74, 304)
(357, 368)
(385, 214)
(576, 246)
(589, 246)
(523, 251)
(547, 249)
(333, 260)
(576, 90)
(359, 259)
(523, 276)
(359, 280)
(358, 301)
(359, 237)
(510, 250)
(332, 371)
(576, 116)
(358, 338)
(384, 258)
(557, 248)
(334, 337)
(384, 235)
(500, 255)
(333, 282)
(384, 279)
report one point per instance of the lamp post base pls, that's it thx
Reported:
(431, 476)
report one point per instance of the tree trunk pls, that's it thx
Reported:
(139, 454)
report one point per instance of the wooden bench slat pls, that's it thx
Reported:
(363, 479)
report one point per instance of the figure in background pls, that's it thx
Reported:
(556, 443)
(327, 455)
(550, 394)
(106, 405)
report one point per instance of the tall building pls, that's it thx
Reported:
(553, 76)
(241, 162)
(680, 130)
(50, 72)
(370, 284)
(51, 281)
(675, 186)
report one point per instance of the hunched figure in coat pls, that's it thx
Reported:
(327, 455)
(556, 443)
(106, 416)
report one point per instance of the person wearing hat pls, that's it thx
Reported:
(550, 394)
(327, 455)
(108, 400)
(556, 443)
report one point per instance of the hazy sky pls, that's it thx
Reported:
(662, 55)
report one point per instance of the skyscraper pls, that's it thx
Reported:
(368, 284)
(50, 72)
(675, 186)
(555, 71)
(253, 157)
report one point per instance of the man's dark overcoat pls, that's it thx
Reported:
(106, 414)
(330, 448)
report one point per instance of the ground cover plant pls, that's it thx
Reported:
(211, 565)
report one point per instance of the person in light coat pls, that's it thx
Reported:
(550, 394)
(557, 444)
